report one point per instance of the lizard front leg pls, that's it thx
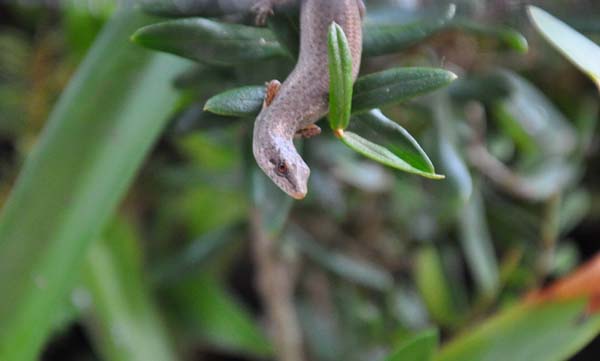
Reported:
(264, 8)
(271, 92)
(310, 131)
(272, 88)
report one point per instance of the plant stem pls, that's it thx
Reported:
(275, 278)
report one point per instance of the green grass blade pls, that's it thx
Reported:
(96, 138)
(421, 347)
(552, 331)
(478, 247)
(124, 322)
(434, 286)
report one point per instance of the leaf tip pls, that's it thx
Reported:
(451, 76)
(138, 36)
(536, 15)
(533, 11)
(521, 43)
(134, 38)
(435, 176)
(208, 106)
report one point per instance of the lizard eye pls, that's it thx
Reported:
(282, 169)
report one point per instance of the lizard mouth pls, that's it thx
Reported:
(298, 195)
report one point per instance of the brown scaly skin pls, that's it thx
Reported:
(303, 98)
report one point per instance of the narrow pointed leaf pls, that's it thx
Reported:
(377, 137)
(477, 246)
(340, 76)
(375, 126)
(239, 102)
(209, 41)
(396, 85)
(451, 160)
(506, 35)
(381, 154)
(581, 51)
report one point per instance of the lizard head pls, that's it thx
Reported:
(279, 159)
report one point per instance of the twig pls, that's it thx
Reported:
(275, 278)
(499, 173)
(491, 167)
(549, 233)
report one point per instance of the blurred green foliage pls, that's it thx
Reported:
(377, 264)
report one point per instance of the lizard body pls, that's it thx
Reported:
(303, 98)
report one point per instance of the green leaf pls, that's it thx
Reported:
(123, 321)
(388, 143)
(434, 287)
(486, 87)
(396, 85)
(508, 36)
(209, 41)
(382, 155)
(95, 141)
(340, 75)
(421, 347)
(540, 121)
(478, 247)
(551, 331)
(210, 313)
(381, 39)
(581, 51)
(371, 91)
(239, 102)
(451, 160)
